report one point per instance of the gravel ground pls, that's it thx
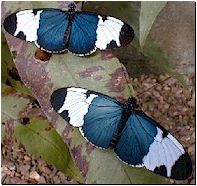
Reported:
(19, 167)
(167, 102)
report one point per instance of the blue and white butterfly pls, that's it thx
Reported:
(55, 30)
(137, 139)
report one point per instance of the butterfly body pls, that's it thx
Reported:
(55, 30)
(127, 111)
(136, 138)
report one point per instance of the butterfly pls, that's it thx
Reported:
(136, 138)
(80, 32)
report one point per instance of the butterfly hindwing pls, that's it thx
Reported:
(97, 115)
(145, 143)
(55, 30)
(83, 29)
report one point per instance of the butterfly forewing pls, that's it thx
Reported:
(23, 24)
(97, 115)
(45, 27)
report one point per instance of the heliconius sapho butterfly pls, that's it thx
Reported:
(80, 32)
(136, 138)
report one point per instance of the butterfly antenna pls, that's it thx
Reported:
(153, 86)
(128, 82)
(82, 5)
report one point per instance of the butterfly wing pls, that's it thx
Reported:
(91, 31)
(96, 114)
(145, 143)
(83, 33)
(46, 27)
(52, 31)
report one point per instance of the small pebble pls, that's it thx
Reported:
(14, 180)
(3, 176)
(27, 158)
(42, 180)
(17, 174)
(34, 176)
(45, 170)
(24, 169)
(56, 180)
(193, 135)
(26, 176)
(190, 149)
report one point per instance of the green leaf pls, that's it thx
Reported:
(148, 13)
(11, 105)
(41, 140)
(38, 137)
(7, 66)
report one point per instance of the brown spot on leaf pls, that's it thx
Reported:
(13, 92)
(9, 132)
(14, 54)
(107, 54)
(42, 55)
(117, 81)
(80, 159)
(14, 106)
(67, 134)
(90, 148)
(48, 128)
(97, 78)
(8, 83)
(35, 104)
(24, 120)
(14, 74)
(31, 112)
(90, 71)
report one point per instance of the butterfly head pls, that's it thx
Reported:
(71, 7)
(131, 103)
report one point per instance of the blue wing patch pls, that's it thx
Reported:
(101, 120)
(137, 139)
(84, 30)
(52, 28)
(55, 30)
